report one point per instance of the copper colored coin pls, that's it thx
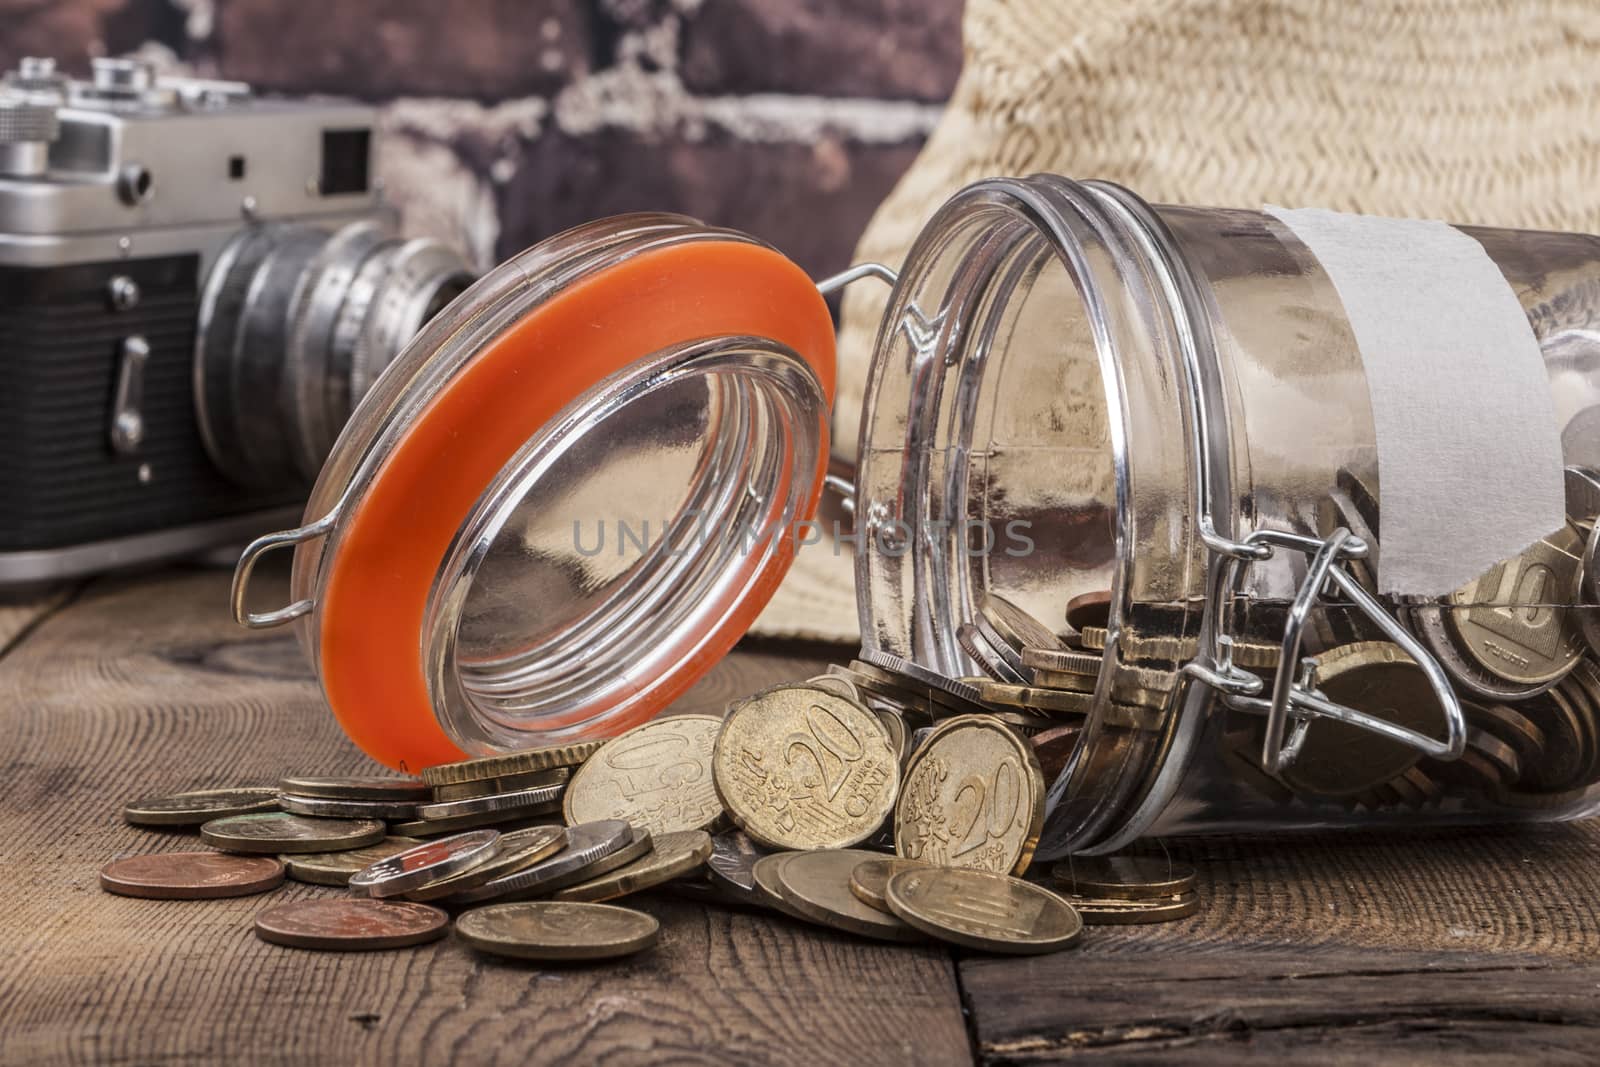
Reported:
(1054, 747)
(190, 876)
(1089, 609)
(351, 924)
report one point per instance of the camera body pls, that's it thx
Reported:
(168, 248)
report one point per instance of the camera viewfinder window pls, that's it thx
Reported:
(344, 161)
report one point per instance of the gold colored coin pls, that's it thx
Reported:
(983, 910)
(1033, 698)
(1341, 760)
(764, 874)
(1091, 637)
(674, 855)
(557, 930)
(1063, 661)
(869, 879)
(525, 762)
(1111, 911)
(817, 885)
(1517, 627)
(801, 768)
(1065, 680)
(973, 797)
(656, 777)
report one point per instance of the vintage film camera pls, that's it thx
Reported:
(196, 287)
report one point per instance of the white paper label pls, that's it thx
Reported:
(1469, 454)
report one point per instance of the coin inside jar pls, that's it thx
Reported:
(1339, 759)
(973, 797)
(657, 776)
(557, 930)
(190, 876)
(1511, 620)
(351, 924)
(799, 767)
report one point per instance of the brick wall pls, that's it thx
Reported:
(508, 120)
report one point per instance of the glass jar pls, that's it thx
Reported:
(1170, 405)
(1073, 392)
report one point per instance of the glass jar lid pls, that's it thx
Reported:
(568, 497)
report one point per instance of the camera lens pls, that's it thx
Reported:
(296, 322)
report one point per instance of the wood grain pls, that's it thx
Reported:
(19, 611)
(143, 686)
(1465, 944)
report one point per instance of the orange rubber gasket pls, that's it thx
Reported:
(392, 545)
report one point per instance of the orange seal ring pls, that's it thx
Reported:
(393, 543)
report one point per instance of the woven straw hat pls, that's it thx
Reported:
(1478, 111)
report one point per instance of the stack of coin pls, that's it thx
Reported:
(1125, 890)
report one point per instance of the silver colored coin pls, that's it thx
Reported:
(516, 849)
(324, 808)
(837, 684)
(356, 787)
(894, 664)
(282, 832)
(198, 806)
(510, 783)
(995, 663)
(526, 798)
(430, 862)
(587, 844)
(731, 867)
(1013, 629)
(509, 819)
(335, 868)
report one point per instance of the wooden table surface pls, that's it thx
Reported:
(1465, 945)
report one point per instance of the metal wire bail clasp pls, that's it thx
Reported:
(247, 564)
(838, 483)
(1294, 692)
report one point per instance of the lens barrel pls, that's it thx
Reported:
(296, 323)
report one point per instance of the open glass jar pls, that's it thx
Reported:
(1073, 392)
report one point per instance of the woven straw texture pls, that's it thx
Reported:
(1484, 111)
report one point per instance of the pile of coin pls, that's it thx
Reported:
(868, 800)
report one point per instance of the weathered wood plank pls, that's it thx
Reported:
(144, 686)
(19, 611)
(1458, 944)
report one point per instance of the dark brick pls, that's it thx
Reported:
(810, 200)
(486, 49)
(69, 30)
(894, 49)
